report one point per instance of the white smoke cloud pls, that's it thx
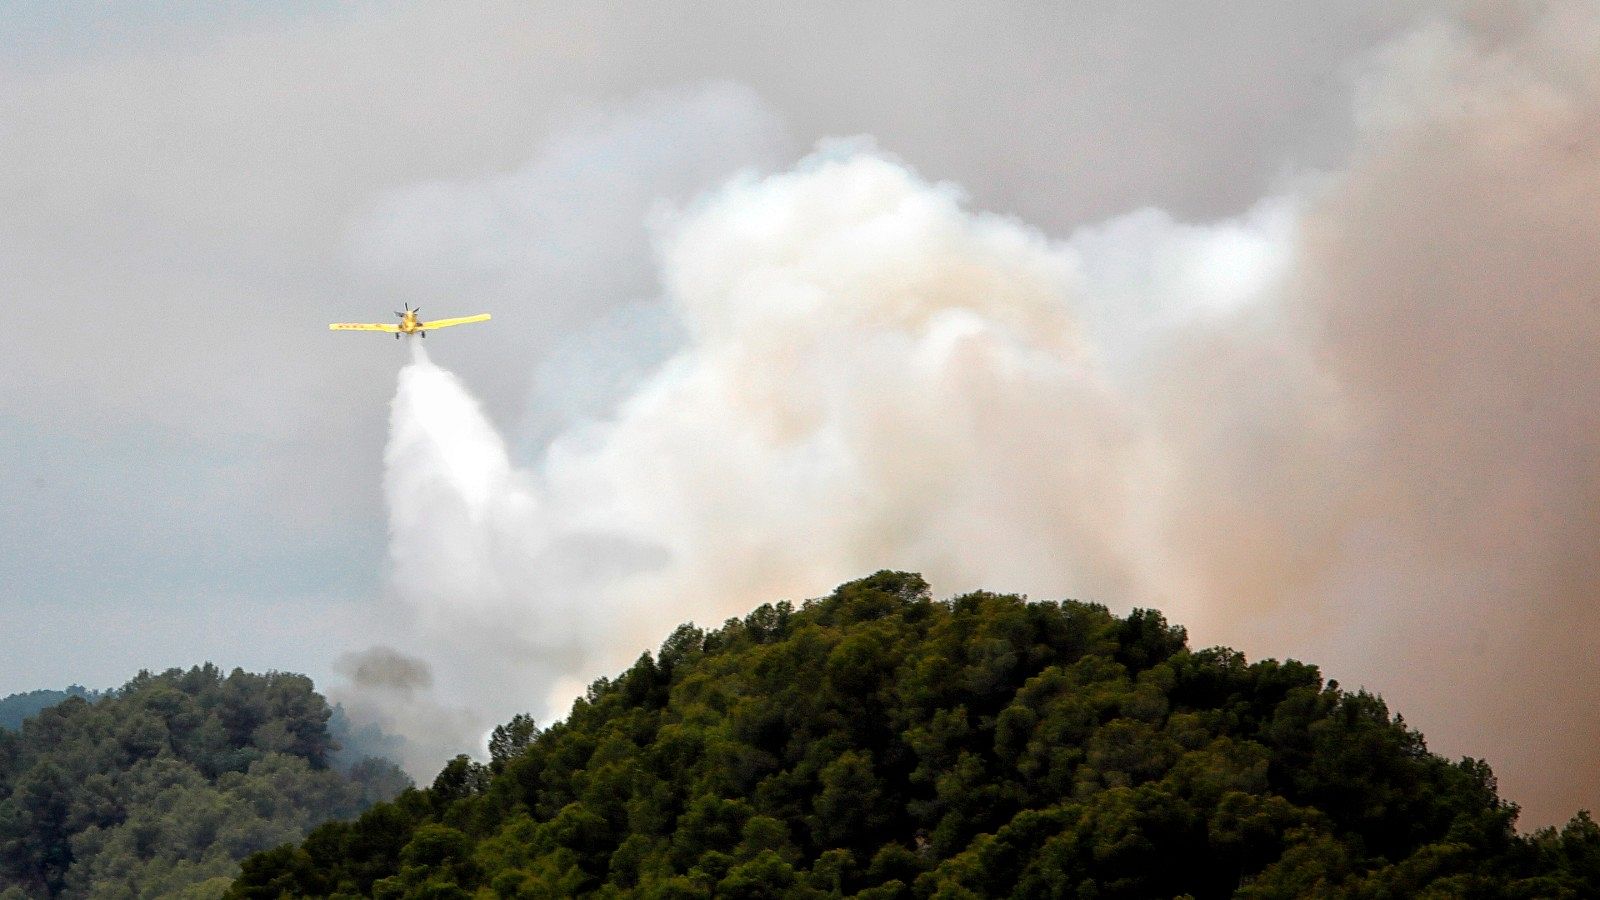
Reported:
(873, 376)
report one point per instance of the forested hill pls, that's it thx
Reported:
(878, 743)
(159, 788)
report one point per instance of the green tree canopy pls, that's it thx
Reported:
(879, 743)
(160, 788)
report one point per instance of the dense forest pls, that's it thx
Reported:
(159, 788)
(878, 743)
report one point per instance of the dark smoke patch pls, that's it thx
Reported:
(385, 668)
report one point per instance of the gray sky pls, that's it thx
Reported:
(180, 182)
(191, 466)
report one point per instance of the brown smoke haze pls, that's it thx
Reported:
(1401, 473)
(1450, 287)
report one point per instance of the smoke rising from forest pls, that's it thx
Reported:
(1355, 424)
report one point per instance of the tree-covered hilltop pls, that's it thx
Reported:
(878, 743)
(158, 789)
(15, 708)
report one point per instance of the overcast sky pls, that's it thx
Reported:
(182, 441)
(191, 465)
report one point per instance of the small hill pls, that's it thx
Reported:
(159, 788)
(16, 708)
(878, 743)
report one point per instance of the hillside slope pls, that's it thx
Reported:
(878, 743)
(159, 788)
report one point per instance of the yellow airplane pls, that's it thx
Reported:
(409, 323)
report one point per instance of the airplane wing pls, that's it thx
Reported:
(446, 323)
(362, 326)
